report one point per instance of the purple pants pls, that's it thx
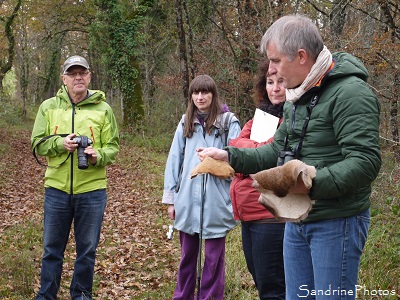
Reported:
(213, 275)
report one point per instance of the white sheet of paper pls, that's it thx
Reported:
(264, 126)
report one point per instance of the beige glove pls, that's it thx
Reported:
(275, 185)
(217, 168)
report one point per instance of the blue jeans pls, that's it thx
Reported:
(263, 249)
(60, 209)
(322, 258)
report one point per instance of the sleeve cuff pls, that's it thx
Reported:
(60, 145)
(229, 154)
(168, 197)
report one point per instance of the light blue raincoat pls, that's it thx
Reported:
(218, 213)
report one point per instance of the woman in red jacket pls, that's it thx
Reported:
(262, 234)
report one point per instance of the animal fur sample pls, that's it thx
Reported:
(275, 185)
(217, 168)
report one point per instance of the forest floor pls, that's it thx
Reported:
(135, 260)
(134, 256)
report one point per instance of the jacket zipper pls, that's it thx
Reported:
(71, 190)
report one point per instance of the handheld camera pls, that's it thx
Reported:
(83, 142)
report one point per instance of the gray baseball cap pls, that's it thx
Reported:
(75, 60)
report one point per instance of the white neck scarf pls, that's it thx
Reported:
(318, 70)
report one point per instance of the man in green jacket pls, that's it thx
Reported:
(331, 122)
(77, 133)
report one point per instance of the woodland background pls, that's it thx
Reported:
(144, 54)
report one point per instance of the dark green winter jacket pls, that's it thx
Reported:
(341, 141)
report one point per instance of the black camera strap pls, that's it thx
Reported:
(313, 103)
(43, 140)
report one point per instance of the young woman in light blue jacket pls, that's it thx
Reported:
(201, 126)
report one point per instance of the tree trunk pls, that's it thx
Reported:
(192, 66)
(182, 50)
(51, 84)
(394, 113)
(337, 18)
(6, 62)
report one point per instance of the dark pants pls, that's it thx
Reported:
(213, 275)
(60, 209)
(263, 250)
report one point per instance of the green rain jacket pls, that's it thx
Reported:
(341, 141)
(93, 118)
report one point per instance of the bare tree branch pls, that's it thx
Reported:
(395, 28)
(390, 62)
(379, 92)
(389, 18)
(389, 140)
(317, 8)
(222, 28)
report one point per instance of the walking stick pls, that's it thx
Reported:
(203, 191)
(221, 170)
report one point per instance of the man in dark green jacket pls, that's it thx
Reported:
(331, 122)
(75, 181)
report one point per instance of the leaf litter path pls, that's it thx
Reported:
(135, 260)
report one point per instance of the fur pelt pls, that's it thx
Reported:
(275, 185)
(217, 168)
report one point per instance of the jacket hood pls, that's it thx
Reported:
(346, 65)
(95, 97)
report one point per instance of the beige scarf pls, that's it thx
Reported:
(318, 70)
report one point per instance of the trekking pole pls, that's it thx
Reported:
(203, 191)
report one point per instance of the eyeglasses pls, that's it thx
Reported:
(74, 74)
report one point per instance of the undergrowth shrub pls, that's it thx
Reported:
(380, 263)
(10, 114)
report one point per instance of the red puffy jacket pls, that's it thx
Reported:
(244, 196)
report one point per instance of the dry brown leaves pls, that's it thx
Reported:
(134, 256)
